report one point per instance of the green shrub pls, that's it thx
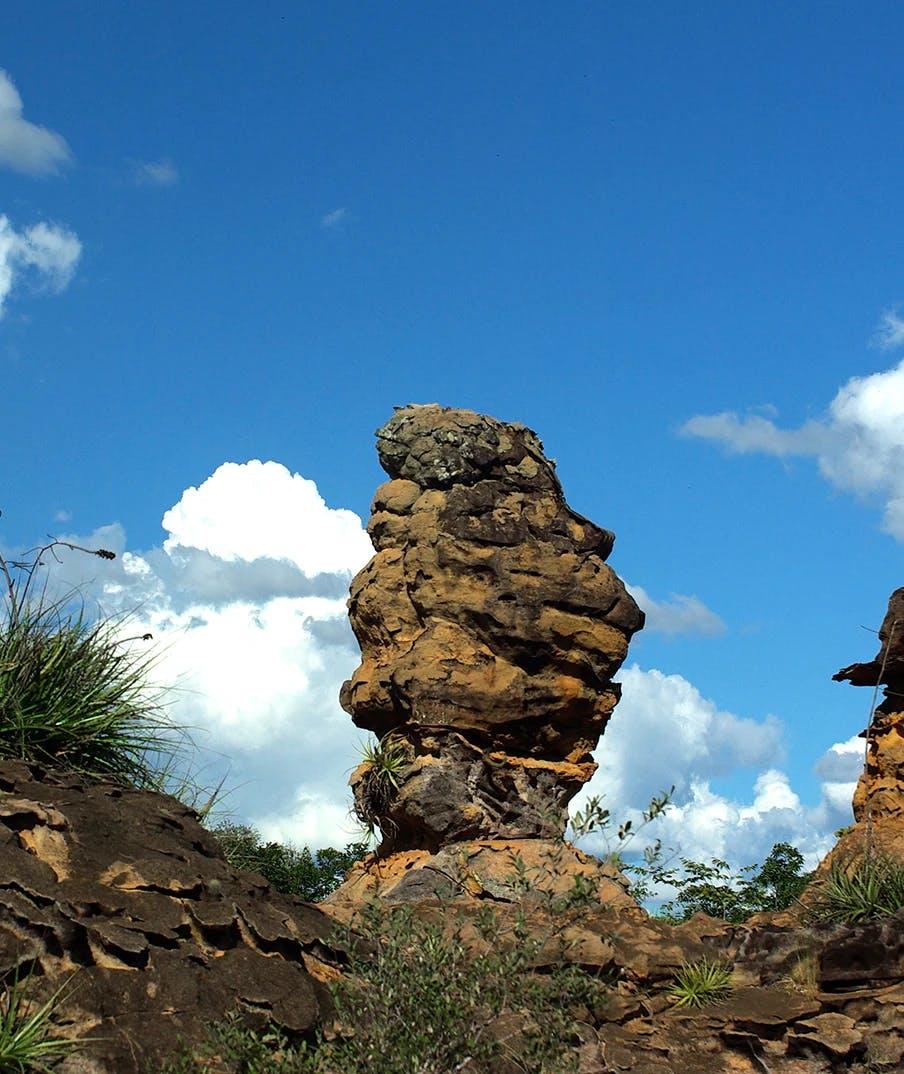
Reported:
(699, 983)
(716, 889)
(430, 997)
(860, 890)
(307, 875)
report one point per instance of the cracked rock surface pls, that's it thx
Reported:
(122, 894)
(490, 628)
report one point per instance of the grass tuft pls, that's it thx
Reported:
(73, 695)
(699, 983)
(25, 1041)
(860, 889)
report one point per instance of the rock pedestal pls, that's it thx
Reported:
(490, 629)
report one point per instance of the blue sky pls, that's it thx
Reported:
(237, 232)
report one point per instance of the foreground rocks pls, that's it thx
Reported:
(125, 896)
(490, 629)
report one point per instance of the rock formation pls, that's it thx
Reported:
(490, 629)
(126, 898)
(879, 797)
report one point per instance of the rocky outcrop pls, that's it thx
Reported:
(123, 896)
(879, 798)
(490, 629)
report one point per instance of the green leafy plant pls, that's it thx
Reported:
(716, 889)
(702, 982)
(26, 1044)
(75, 693)
(305, 874)
(859, 890)
(431, 996)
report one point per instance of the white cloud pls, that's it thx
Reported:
(696, 744)
(42, 256)
(859, 444)
(155, 173)
(24, 146)
(890, 332)
(678, 615)
(332, 219)
(246, 599)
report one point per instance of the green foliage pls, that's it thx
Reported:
(25, 1041)
(73, 694)
(699, 983)
(860, 890)
(715, 889)
(309, 876)
(432, 997)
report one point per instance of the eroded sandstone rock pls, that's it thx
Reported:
(125, 897)
(879, 797)
(490, 629)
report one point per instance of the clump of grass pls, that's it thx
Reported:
(804, 974)
(702, 982)
(858, 890)
(383, 762)
(25, 1041)
(73, 693)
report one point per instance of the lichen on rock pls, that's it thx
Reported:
(490, 629)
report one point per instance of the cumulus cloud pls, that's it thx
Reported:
(245, 598)
(155, 173)
(24, 146)
(332, 219)
(43, 256)
(858, 444)
(697, 744)
(678, 615)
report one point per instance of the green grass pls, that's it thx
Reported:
(25, 1041)
(699, 983)
(73, 695)
(860, 890)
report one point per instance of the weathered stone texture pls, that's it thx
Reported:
(490, 629)
(122, 894)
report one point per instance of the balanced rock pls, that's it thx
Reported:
(490, 629)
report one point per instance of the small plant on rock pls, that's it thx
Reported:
(702, 982)
(383, 763)
(860, 890)
(25, 1041)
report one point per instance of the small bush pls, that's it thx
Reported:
(860, 890)
(430, 997)
(699, 983)
(73, 694)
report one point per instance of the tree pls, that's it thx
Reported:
(714, 888)
(307, 875)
